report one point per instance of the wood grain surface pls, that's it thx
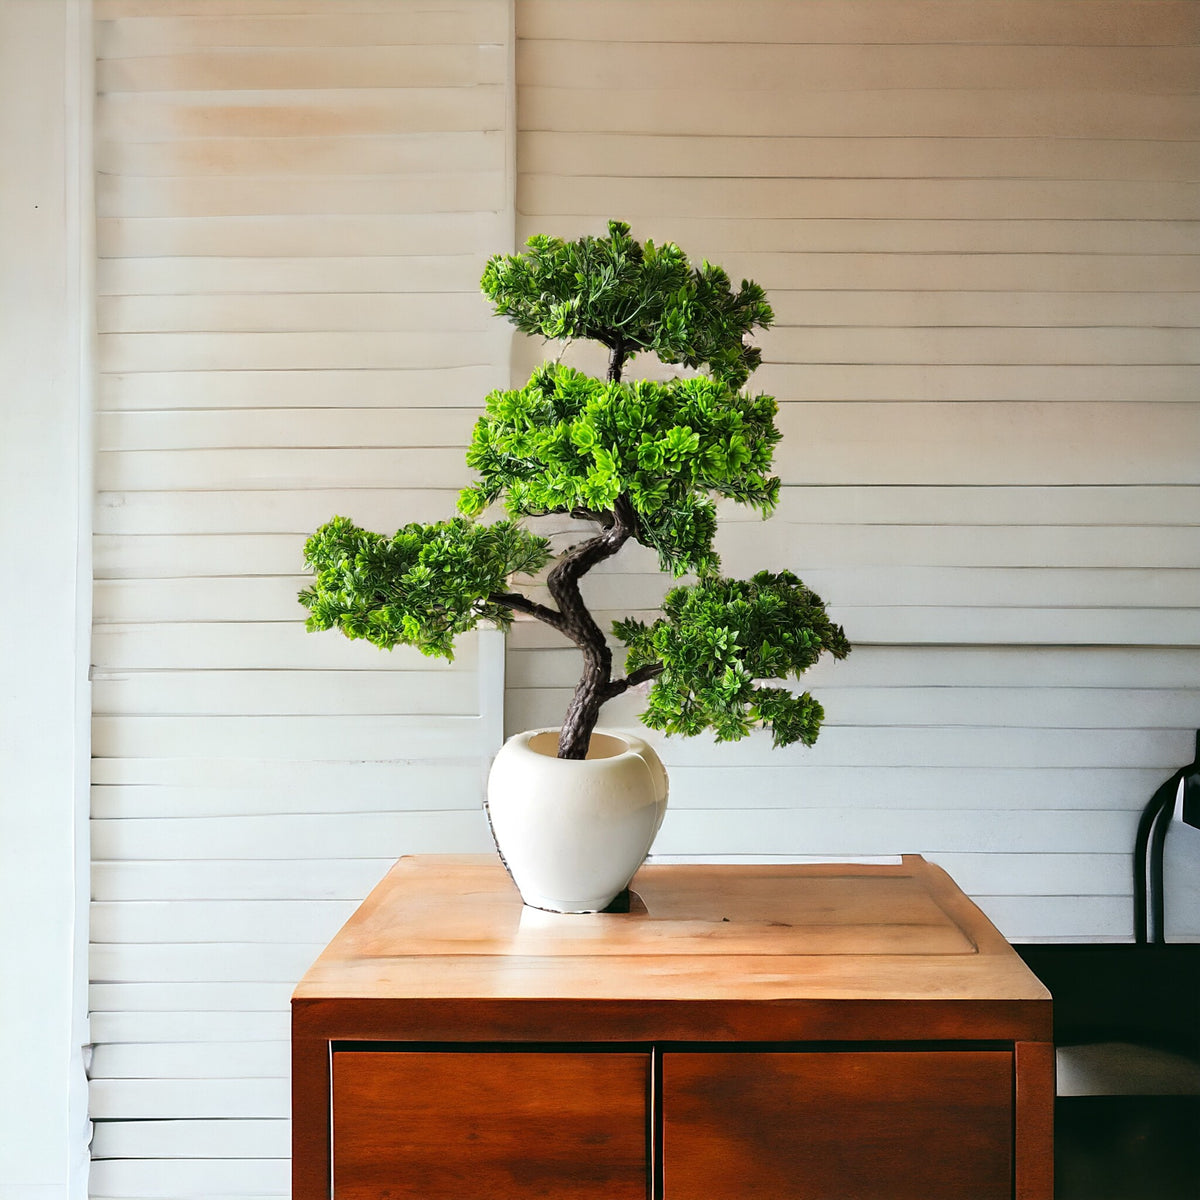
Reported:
(452, 927)
(828, 1126)
(490, 1126)
(1034, 1117)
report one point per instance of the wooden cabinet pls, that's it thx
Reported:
(783, 1033)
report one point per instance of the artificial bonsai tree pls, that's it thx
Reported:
(639, 460)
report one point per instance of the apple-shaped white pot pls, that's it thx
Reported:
(572, 832)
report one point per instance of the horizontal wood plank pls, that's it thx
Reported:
(325, 737)
(108, 10)
(713, 157)
(716, 237)
(181, 1099)
(834, 833)
(1004, 310)
(189, 1060)
(1037, 22)
(205, 921)
(322, 313)
(341, 112)
(851, 112)
(932, 626)
(286, 693)
(150, 196)
(1014, 788)
(191, 1139)
(234, 774)
(1070, 919)
(173, 997)
(226, 1178)
(270, 429)
(134, 30)
(1017, 384)
(292, 836)
(942, 199)
(985, 347)
(242, 962)
(421, 153)
(273, 276)
(393, 786)
(786, 68)
(287, 467)
(964, 746)
(237, 879)
(289, 351)
(143, 1027)
(238, 646)
(451, 387)
(276, 68)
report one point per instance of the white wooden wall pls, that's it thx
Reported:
(295, 201)
(975, 220)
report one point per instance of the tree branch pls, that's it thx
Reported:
(641, 675)
(616, 359)
(603, 519)
(531, 608)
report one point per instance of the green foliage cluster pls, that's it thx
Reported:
(631, 297)
(423, 586)
(567, 442)
(716, 639)
(643, 460)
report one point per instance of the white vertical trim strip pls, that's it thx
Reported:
(81, 235)
(45, 291)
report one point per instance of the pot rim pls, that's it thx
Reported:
(634, 745)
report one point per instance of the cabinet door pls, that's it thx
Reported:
(505, 1125)
(838, 1126)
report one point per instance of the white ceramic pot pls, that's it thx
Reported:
(573, 831)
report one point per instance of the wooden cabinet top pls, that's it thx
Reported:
(453, 928)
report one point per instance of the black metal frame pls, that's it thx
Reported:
(1149, 902)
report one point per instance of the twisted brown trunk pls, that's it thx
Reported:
(573, 619)
(579, 625)
(584, 710)
(595, 685)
